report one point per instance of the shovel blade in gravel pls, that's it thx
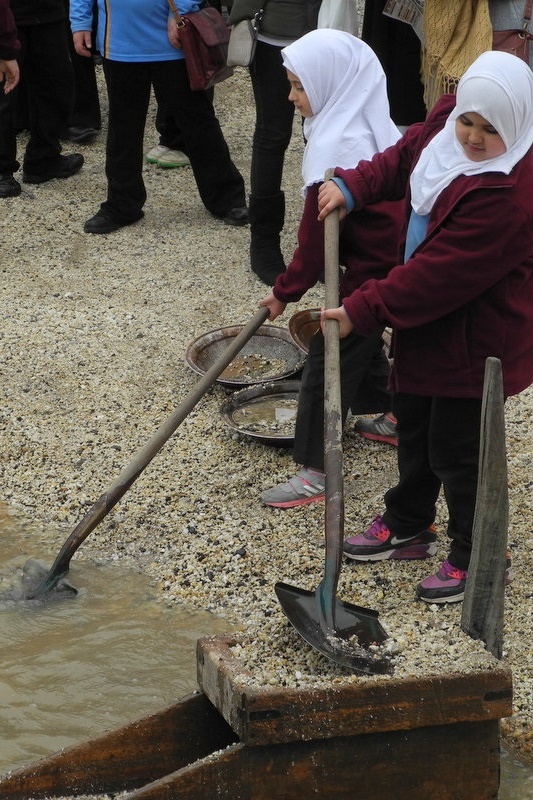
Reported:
(356, 629)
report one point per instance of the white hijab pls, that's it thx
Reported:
(499, 87)
(346, 88)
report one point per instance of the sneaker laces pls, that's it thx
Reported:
(447, 571)
(377, 531)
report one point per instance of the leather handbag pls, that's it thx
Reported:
(517, 42)
(243, 39)
(204, 38)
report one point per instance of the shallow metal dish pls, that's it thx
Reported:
(302, 327)
(266, 412)
(270, 355)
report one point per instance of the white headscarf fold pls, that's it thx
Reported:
(499, 87)
(346, 87)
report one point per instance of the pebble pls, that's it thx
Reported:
(93, 339)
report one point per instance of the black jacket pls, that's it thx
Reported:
(38, 12)
(286, 19)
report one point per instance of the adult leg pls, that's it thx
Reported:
(272, 134)
(128, 89)
(50, 82)
(219, 182)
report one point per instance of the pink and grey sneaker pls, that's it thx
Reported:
(378, 429)
(446, 586)
(307, 486)
(378, 543)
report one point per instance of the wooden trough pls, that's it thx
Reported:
(376, 739)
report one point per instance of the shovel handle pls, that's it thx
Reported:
(142, 458)
(334, 513)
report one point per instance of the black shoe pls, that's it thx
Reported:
(266, 259)
(9, 187)
(79, 134)
(103, 222)
(67, 166)
(236, 216)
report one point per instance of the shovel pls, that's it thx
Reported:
(37, 581)
(347, 634)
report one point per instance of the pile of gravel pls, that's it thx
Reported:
(93, 338)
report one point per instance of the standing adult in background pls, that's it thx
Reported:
(140, 47)
(398, 48)
(9, 47)
(282, 24)
(86, 120)
(46, 70)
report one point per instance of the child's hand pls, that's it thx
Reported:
(275, 307)
(330, 197)
(345, 323)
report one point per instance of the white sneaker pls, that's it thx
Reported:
(172, 159)
(153, 155)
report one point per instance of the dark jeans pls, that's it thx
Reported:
(219, 182)
(274, 118)
(438, 445)
(48, 78)
(364, 375)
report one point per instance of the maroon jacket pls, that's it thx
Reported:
(466, 293)
(368, 247)
(9, 44)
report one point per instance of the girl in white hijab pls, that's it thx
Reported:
(347, 93)
(463, 295)
(499, 88)
(337, 84)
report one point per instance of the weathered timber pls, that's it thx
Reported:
(483, 604)
(262, 715)
(447, 762)
(128, 757)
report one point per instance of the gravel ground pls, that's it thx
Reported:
(93, 339)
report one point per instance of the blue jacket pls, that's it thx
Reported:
(130, 30)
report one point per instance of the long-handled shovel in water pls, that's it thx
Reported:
(346, 633)
(38, 582)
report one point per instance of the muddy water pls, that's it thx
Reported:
(74, 668)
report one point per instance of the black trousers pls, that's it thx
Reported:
(48, 78)
(220, 184)
(273, 123)
(364, 375)
(438, 445)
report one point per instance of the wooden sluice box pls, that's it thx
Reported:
(376, 739)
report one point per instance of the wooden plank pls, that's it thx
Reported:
(448, 762)
(128, 757)
(261, 715)
(483, 604)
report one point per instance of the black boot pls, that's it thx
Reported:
(266, 216)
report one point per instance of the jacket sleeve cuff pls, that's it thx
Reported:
(348, 197)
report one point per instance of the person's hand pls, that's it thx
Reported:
(83, 42)
(173, 33)
(9, 73)
(345, 323)
(330, 197)
(275, 307)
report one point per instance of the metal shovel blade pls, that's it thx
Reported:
(356, 630)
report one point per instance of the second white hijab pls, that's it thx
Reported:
(499, 87)
(346, 88)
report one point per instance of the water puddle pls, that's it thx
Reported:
(76, 667)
